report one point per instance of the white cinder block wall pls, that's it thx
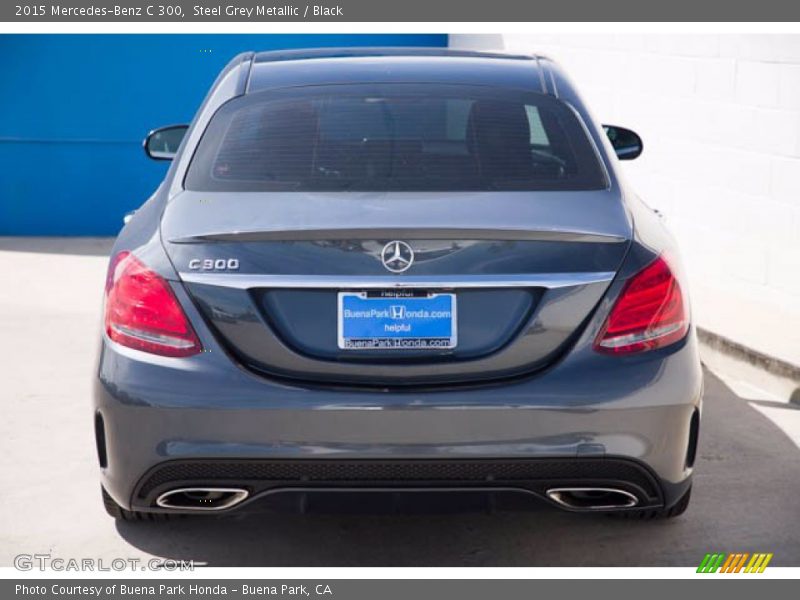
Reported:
(720, 119)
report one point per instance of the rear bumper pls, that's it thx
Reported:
(171, 422)
(258, 478)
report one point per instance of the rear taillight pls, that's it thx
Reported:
(143, 313)
(650, 313)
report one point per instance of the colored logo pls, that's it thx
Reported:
(735, 563)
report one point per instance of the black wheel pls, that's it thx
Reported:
(675, 510)
(116, 511)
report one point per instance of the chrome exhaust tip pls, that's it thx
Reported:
(592, 498)
(202, 498)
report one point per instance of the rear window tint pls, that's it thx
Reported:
(394, 137)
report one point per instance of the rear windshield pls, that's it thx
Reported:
(394, 137)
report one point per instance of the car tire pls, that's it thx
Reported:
(675, 510)
(117, 512)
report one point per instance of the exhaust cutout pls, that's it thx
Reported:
(198, 498)
(588, 498)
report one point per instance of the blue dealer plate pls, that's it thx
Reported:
(379, 320)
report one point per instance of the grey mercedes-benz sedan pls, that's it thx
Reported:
(395, 270)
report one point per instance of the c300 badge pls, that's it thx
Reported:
(214, 264)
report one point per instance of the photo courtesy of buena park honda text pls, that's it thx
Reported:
(365, 299)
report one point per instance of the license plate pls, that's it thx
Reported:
(396, 320)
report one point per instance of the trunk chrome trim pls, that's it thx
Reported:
(389, 233)
(543, 280)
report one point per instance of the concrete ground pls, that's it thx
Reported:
(746, 494)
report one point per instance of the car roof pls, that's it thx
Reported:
(329, 66)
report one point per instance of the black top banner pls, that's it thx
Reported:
(404, 10)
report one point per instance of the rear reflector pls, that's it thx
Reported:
(650, 313)
(143, 313)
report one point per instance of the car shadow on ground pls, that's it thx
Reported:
(742, 454)
(322, 538)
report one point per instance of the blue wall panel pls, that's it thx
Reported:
(74, 109)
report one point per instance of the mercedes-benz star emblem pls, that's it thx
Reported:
(397, 256)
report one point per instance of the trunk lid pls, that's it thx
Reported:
(525, 269)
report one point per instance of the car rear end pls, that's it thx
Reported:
(398, 286)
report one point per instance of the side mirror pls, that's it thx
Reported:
(626, 143)
(162, 143)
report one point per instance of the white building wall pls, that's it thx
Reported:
(720, 119)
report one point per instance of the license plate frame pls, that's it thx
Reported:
(437, 332)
